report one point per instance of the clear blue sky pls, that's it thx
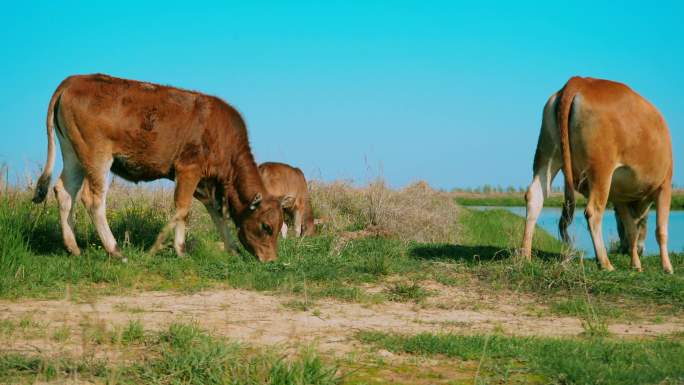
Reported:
(448, 92)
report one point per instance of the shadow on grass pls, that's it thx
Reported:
(470, 253)
(130, 229)
(45, 238)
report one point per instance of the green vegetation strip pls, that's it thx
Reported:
(511, 200)
(518, 200)
(183, 354)
(33, 262)
(558, 361)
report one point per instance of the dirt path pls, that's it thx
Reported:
(263, 319)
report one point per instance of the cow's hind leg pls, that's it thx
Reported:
(630, 217)
(628, 235)
(642, 230)
(547, 163)
(94, 196)
(623, 242)
(599, 190)
(663, 200)
(66, 191)
(642, 226)
(186, 184)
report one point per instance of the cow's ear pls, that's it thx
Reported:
(255, 202)
(287, 201)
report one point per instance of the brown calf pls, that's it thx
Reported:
(142, 132)
(288, 184)
(613, 145)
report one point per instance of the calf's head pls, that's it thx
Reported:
(259, 227)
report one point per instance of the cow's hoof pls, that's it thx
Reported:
(116, 253)
(523, 253)
(668, 270)
(154, 249)
(180, 250)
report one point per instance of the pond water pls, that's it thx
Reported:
(548, 220)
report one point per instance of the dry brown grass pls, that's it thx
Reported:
(158, 197)
(415, 212)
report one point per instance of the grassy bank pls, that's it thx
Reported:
(504, 359)
(517, 199)
(336, 263)
(181, 354)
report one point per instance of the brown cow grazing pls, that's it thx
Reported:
(288, 184)
(143, 132)
(612, 145)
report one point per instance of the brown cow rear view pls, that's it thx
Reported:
(612, 145)
(288, 184)
(143, 132)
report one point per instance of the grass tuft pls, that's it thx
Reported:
(133, 333)
(182, 354)
(406, 292)
(558, 360)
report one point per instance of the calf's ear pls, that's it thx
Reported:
(287, 201)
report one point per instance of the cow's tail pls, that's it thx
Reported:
(567, 95)
(44, 181)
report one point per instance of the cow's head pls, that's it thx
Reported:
(259, 227)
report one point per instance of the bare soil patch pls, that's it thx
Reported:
(262, 319)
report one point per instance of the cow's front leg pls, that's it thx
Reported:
(186, 183)
(221, 224)
(298, 222)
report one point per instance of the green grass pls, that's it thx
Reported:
(33, 262)
(512, 200)
(577, 307)
(62, 334)
(133, 333)
(500, 231)
(182, 354)
(497, 233)
(406, 292)
(550, 360)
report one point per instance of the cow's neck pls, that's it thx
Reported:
(246, 184)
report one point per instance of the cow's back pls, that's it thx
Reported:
(281, 180)
(151, 129)
(609, 119)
